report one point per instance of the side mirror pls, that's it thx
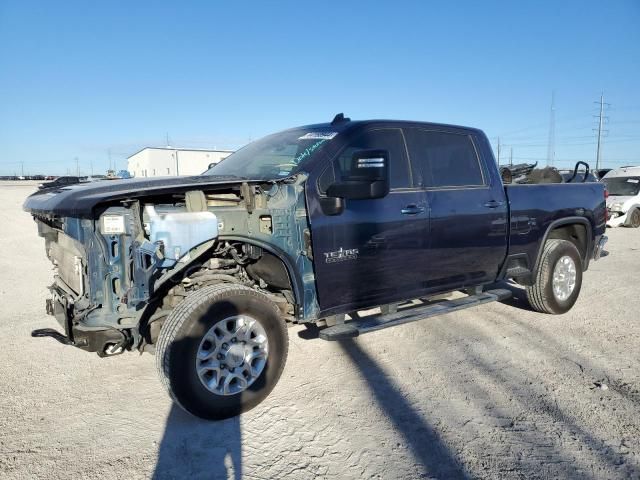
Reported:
(368, 177)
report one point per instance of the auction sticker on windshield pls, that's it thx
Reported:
(318, 136)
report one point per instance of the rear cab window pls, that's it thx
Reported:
(444, 159)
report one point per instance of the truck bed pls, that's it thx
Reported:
(535, 208)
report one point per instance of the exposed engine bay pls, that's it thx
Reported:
(118, 276)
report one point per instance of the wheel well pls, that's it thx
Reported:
(231, 262)
(575, 233)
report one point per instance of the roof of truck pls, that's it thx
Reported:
(340, 123)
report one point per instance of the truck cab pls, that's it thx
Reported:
(443, 212)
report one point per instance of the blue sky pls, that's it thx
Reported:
(82, 79)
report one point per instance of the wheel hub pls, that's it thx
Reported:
(232, 355)
(235, 355)
(564, 278)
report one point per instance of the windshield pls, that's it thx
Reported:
(275, 156)
(623, 186)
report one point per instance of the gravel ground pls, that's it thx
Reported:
(493, 392)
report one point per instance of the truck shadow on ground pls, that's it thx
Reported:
(434, 455)
(578, 451)
(518, 298)
(195, 448)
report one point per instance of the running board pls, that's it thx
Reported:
(358, 327)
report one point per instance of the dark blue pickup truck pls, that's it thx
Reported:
(309, 225)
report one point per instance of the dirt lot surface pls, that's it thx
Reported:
(494, 392)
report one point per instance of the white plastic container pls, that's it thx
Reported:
(180, 231)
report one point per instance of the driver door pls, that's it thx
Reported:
(372, 252)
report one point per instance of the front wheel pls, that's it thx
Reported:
(222, 351)
(558, 280)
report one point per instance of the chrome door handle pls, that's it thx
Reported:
(493, 204)
(412, 210)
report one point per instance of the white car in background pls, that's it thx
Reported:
(623, 204)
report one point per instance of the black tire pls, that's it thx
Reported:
(180, 339)
(634, 218)
(540, 294)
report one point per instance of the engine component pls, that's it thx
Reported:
(180, 232)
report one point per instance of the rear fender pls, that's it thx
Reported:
(564, 222)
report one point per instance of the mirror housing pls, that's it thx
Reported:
(368, 177)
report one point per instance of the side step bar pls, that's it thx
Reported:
(358, 327)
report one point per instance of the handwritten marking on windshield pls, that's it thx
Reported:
(308, 151)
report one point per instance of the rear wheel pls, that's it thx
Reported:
(558, 280)
(634, 219)
(222, 351)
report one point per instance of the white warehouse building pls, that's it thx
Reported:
(169, 161)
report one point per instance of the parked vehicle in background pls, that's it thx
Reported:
(601, 172)
(304, 226)
(93, 178)
(623, 204)
(60, 182)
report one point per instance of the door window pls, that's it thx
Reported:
(384, 139)
(442, 159)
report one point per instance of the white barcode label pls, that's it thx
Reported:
(112, 224)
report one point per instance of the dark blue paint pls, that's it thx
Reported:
(461, 240)
(535, 207)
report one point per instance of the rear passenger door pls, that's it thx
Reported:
(468, 212)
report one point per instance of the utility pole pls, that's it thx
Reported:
(22, 168)
(77, 167)
(498, 151)
(511, 157)
(91, 166)
(551, 147)
(601, 120)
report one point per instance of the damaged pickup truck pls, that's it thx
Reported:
(304, 226)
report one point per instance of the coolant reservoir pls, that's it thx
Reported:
(179, 232)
